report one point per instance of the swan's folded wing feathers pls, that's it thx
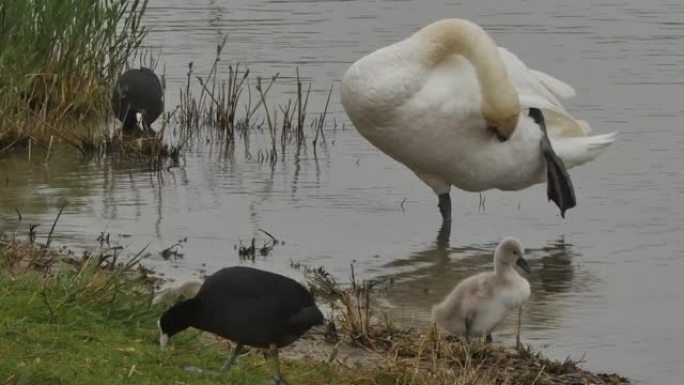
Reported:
(559, 122)
(526, 81)
(563, 125)
(541, 90)
(557, 87)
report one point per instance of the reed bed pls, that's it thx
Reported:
(234, 104)
(58, 61)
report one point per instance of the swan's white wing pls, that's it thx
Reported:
(559, 122)
(537, 89)
(557, 87)
(531, 81)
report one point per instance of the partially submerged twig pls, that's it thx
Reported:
(52, 229)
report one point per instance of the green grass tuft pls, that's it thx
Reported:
(85, 325)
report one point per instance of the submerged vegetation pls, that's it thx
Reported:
(82, 318)
(232, 104)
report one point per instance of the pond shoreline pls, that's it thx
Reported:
(338, 353)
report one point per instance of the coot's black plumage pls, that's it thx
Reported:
(138, 91)
(248, 306)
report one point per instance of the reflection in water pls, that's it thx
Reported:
(36, 188)
(143, 186)
(555, 270)
(428, 275)
(216, 13)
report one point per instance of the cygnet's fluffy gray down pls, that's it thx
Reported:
(479, 303)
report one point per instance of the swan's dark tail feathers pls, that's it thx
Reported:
(558, 184)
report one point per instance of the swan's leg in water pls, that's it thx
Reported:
(558, 184)
(445, 230)
(445, 207)
(443, 234)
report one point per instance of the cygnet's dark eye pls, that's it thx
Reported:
(515, 252)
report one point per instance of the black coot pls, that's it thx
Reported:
(138, 100)
(248, 306)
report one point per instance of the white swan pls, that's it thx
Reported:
(458, 110)
(480, 302)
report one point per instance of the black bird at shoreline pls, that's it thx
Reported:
(138, 100)
(248, 306)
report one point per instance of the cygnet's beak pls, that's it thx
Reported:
(522, 263)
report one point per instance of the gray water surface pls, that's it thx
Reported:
(607, 279)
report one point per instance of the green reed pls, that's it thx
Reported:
(58, 60)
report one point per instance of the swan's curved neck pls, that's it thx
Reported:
(461, 37)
